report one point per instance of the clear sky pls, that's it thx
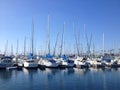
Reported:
(98, 16)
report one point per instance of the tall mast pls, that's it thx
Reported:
(61, 47)
(84, 50)
(88, 44)
(6, 46)
(56, 44)
(103, 43)
(24, 46)
(11, 49)
(76, 41)
(93, 45)
(64, 38)
(48, 34)
(32, 38)
(17, 48)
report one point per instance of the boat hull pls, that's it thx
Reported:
(4, 66)
(30, 65)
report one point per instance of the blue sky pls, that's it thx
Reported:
(98, 16)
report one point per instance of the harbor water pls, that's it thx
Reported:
(60, 79)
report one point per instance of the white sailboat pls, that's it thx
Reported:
(63, 61)
(6, 61)
(50, 63)
(48, 60)
(66, 63)
(31, 62)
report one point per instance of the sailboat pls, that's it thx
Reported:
(5, 61)
(79, 61)
(64, 61)
(31, 62)
(48, 60)
(15, 59)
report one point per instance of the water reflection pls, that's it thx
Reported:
(51, 73)
(115, 69)
(65, 79)
(96, 69)
(70, 71)
(81, 71)
(5, 75)
(30, 73)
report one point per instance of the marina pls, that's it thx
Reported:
(56, 54)
(59, 45)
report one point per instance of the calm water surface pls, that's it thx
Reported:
(56, 79)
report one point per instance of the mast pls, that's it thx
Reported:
(61, 47)
(78, 42)
(75, 40)
(93, 45)
(48, 34)
(103, 43)
(11, 49)
(6, 46)
(88, 44)
(84, 51)
(32, 38)
(77, 46)
(17, 48)
(24, 46)
(64, 39)
(56, 44)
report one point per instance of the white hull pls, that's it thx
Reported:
(66, 63)
(48, 63)
(30, 64)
